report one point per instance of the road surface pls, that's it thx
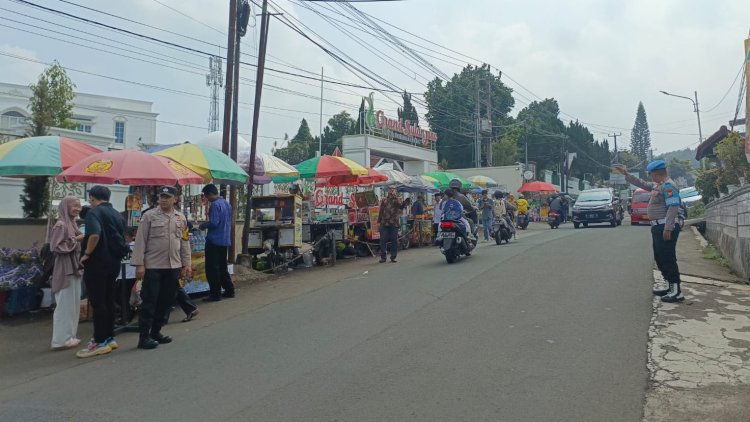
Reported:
(552, 327)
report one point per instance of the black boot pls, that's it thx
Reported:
(660, 292)
(674, 294)
(146, 342)
(159, 337)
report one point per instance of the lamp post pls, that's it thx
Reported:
(697, 111)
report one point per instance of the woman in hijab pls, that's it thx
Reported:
(64, 242)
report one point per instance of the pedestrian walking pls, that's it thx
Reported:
(486, 205)
(65, 243)
(437, 214)
(218, 240)
(663, 209)
(105, 247)
(389, 220)
(161, 255)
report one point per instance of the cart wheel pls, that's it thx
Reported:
(405, 242)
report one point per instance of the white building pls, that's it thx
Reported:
(102, 121)
(107, 122)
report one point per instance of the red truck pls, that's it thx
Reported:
(638, 206)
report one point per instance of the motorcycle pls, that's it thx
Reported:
(454, 240)
(501, 230)
(522, 221)
(553, 219)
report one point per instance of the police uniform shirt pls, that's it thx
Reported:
(665, 200)
(159, 243)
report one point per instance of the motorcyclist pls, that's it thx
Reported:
(556, 205)
(471, 212)
(502, 211)
(522, 205)
(453, 210)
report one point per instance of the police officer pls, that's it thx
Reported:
(663, 209)
(161, 255)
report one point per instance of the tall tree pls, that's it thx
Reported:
(408, 112)
(640, 136)
(339, 125)
(451, 107)
(51, 105)
(301, 147)
(543, 132)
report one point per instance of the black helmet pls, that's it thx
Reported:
(498, 194)
(455, 184)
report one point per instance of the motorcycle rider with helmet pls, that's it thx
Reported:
(471, 212)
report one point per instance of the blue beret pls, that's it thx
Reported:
(656, 165)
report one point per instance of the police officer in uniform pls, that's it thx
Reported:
(161, 255)
(663, 210)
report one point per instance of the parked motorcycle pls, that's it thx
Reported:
(522, 221)
(454, 241)
(501, 231)
(553, 219)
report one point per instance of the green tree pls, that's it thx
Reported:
(731, 152)
(707, 183)
(339, 125)
(592, 157)
(679, 169)
(543, 132)
(640, 136)
(408, 112)
(451, 108)
(505, 149)
(51, 105)
(299, 148)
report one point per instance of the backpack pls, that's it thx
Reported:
(112, 234)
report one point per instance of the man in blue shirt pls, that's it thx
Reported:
(218, 240)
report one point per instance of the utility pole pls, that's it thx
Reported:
(320, 140)
(214, 80)
(489, 117)
(615, 135)
(698, 112)
(264, 21)
(477, 139)
(229, 86)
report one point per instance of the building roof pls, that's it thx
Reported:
(706, 148)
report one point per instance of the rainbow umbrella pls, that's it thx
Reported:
(444, 178)
(483, 181)
(41, 155)
(372, 177)
(129, 167)
(328, 166)
(211, 164)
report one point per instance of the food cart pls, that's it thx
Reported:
(275, 230)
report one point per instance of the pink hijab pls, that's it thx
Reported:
(64, 216)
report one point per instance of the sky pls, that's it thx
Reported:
(598, 59)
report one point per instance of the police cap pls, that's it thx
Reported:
(656, 165)
(167, 190)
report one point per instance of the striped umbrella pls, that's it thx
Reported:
(211, 164)
(327, 166)
(444, 178)
(42, 155)
(483, 181)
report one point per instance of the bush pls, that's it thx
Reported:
(697, 211)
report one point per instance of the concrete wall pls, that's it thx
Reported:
(21, 233)
(728, 228)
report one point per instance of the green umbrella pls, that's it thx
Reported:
(444, 178)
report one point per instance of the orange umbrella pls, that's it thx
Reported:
(537, 187)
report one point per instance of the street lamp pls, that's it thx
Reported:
(695, 109)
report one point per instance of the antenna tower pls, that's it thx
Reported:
(215, 81)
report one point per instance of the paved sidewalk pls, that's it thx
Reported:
(699, 349)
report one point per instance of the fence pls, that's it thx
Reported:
(728, 228)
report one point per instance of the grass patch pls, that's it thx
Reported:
(710, 252)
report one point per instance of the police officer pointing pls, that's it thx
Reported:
(663, 209)
(161, 255)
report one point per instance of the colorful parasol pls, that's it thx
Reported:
(327, 166)
(211, 164)
(483, 181)
(537, 187)
(444, 178)
(372, 177)
(129, 167)
(275, 168)
(42, 155)
(394, 176)
(417, 184)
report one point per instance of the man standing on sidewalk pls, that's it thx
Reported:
(105, 247)
(218, 239)
(160, 256)
(663, 208)
(487, 206)
(389, 219)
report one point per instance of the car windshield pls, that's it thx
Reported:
(593, 196)
(687, 193)
(641, 197)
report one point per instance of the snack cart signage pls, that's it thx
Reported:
(323, 200)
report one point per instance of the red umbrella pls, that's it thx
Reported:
(129, 167)
(373, 176)
(538, 187)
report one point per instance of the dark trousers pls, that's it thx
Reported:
(217, 272)
(99, 277)
(388, 236)
(158, 292)
(665, 253)
(184, 301)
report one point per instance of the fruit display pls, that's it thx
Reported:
(19, 267)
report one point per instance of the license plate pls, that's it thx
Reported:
(591, 216)
(448, 235)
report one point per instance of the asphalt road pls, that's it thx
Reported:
(552, 327)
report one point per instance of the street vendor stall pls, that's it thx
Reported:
(276, 230)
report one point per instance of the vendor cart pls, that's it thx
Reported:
(275, 231)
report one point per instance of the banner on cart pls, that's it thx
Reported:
(322, 199)
(374, 227)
